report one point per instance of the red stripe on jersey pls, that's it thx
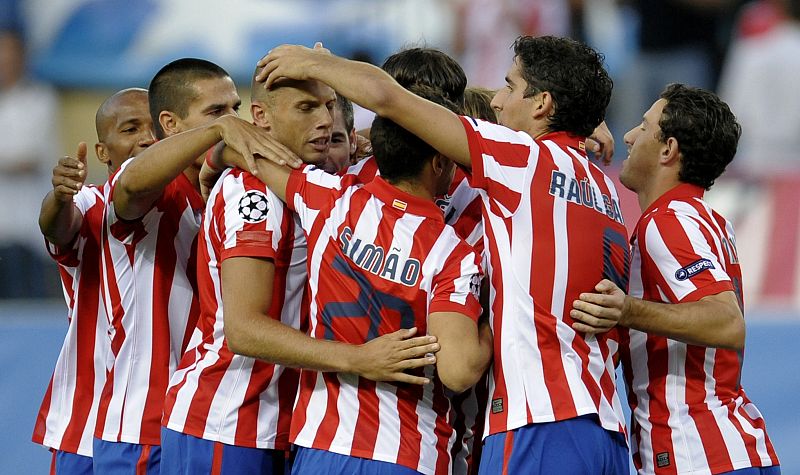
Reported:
(498, 420)
(366, 430)
(326, 430)
(695, 395)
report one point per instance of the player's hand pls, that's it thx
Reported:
(249, 140)
(69, 175)
(363, 149)
(387, 357)
(598, 312)
(290, 62)
(601, 143)
(209, 175)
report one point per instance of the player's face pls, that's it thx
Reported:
(644, 149)
(301, 118)
(514, 110)
(213, 98)
(129, 130)
(340, 148)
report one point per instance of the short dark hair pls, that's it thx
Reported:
(573, 74)
(399, 153)
(172, 88)
(345, 107)
(705, 128)
(428, 67)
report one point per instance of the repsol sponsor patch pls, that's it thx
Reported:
(691, 270)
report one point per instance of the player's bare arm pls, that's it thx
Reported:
(144, 179)
(713, 321)
(270, 172)
(466, 348)
(251, 331)
(59, 218)
(371, 87)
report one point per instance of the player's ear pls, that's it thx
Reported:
(169, 122)
(440, 164)
(101, 151)
(543, 105)
(260, 115)
(353, 141)
(670, 151)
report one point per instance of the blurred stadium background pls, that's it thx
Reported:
(87, 49)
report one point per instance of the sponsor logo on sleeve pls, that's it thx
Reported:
(691, 270)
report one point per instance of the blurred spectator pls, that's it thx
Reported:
(678, 41)
(759, 82)
(28, 114)
(486, 29)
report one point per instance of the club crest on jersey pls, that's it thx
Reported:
(389, 265)
(696, 267)
(253, 206)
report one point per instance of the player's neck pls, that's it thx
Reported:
(414, 188)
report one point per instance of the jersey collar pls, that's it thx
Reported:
(565, 138)
(399, 200)
(683, 191)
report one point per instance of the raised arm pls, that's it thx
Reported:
(714, 320)
(59, 218)
(372, 88)
(249, 330)
(144, 179)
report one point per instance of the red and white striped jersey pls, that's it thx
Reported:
(461, 205)
(216, 394)
(67, 417)
(149, 269)
(690, 414)
(553, 229)
(379, 260)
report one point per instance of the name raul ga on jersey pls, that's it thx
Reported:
(583, 193)
(389, 265)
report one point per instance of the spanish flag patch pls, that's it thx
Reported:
(401, 205)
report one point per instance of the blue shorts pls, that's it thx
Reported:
(570, 447)
(774, 470)
(184, 454)
(68, 463)
(321, 462)
(122, 458)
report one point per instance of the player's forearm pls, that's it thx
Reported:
(59, 221)
(270, 340)
(465, 353)
(146, 176)
(714, 321)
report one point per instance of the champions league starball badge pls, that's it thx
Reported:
(253, 206)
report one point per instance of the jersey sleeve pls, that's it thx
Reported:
(86, 198)
(248, 218)
(456, 287)
(683, 257)
(500, 161)
(311, 189)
